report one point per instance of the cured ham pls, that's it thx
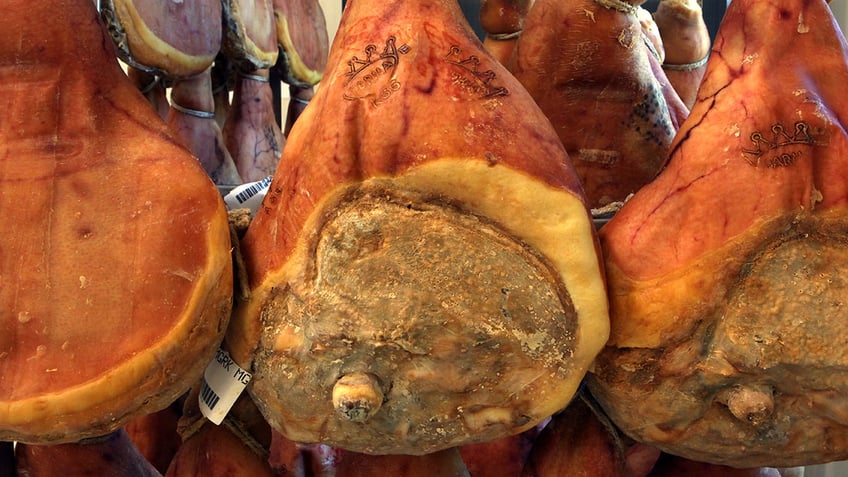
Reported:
(502, 21)
(304, 42)
(113, 455)
(725, 273)
(378, 259)
(120, 241)
(590, 67)
(251, 132)
(193, 119)
(686, 41)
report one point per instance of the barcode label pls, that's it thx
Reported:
(208, 396)
(223, 382)
(248, 195)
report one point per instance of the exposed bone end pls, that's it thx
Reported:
(357, 396)
(751, 404)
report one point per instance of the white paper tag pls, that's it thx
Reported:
(248, 196)
(223, 382)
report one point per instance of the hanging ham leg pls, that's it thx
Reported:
(588, 65)
(176, 38)
(299, 98)
(113, 455)
(192, 117)
(303, 39)
(726, 273)
(687, 45)
(116, 270)
(502, 21)
(251, 132)
(410, 290)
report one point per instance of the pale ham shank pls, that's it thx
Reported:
(116, 269)
(686, 42)
(303, 39)
(726, 274)
(251, 132)
(588, 65)
(175, 38)
(192, 117)
(423, 270)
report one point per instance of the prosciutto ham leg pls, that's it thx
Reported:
(192, 117)
(726, 272)
(687, 45)
(589, 65)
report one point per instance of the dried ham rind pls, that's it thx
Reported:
(304, 41)
(117, 280)
(250, 35)
(382, 318)
(725, 272)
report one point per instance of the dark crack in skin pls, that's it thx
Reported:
(459, 324)
(762, 381)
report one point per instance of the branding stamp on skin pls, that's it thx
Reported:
(372, 78)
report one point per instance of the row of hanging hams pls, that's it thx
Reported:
(424, 288)
(231, 49)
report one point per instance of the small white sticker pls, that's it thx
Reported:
(223, 382)
(248, 196)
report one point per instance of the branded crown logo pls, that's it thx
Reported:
(386, 59)
(780, 138)
(472, 65)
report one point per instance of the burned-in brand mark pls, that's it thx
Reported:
(371, 78)
(469, 77)
(780, 149)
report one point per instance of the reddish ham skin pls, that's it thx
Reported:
(590, 70)
(304, 42)
(299, 98)
(202, 135)
(250, 34)
(251, 133)
(502, 21)
(687, 43)
(113, 455)
(155, 436)
(504, 457)
(444, 463)
(176, 38)
(725, 272)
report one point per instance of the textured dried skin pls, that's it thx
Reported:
(588, 66)
(250, 34)
(687, 44)
(251, 133)
(202, 135)
(445, 463)
(491, 171)
(107, 253)
(109, 456)
(727, 304)
(176, 39)
(303, 39)
(502, 21)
